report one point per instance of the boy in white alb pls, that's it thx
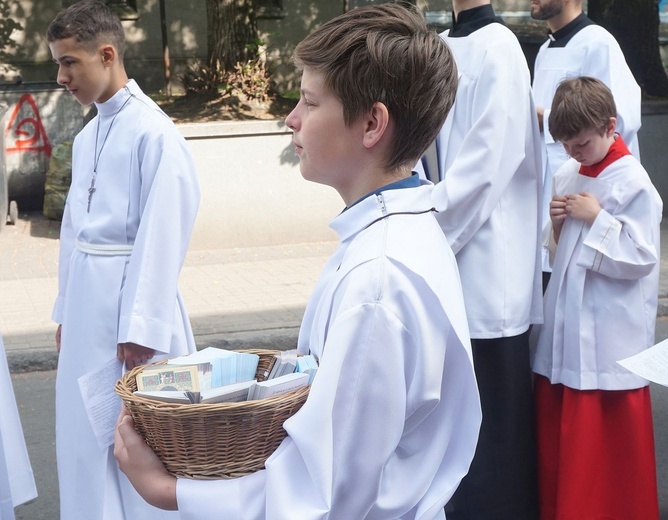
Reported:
(125, 231)
(17, 484)
(578, 47)
(391, 422)
(594, 418)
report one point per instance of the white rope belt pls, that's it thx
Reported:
(103, 249)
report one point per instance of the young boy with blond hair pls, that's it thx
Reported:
(594, 417)
(391, 422)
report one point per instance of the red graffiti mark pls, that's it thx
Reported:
(28, 133)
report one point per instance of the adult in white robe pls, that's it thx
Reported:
(582, 48)
(119, 264)
(392, 418)
(17, 483)
(488, 196)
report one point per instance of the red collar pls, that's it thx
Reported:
(617, 150)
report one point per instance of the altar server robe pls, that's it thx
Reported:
(594, 52)
(17, 484)
(600, 304)
(146, 197)
(490, 183)
(386, 321)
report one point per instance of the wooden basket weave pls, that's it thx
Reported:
(212, 441)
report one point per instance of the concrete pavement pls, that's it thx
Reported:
(236, 297)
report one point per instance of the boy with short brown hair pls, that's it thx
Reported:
(125, 232)
(392, 418)
(600, 307)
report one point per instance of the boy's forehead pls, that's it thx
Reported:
(68, 47)
(584, 135)
(312, 81)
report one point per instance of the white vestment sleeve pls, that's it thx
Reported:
(352, 441)
(240, 498)
(621, 249)
(169, 201)
(65, 253)
(338, 470)
(493, 148)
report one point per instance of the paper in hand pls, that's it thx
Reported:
(101, 401)
(652, 364)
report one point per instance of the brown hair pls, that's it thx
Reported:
(90, 23)
(580, 104)
(386, 53)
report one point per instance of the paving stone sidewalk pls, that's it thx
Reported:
(236, 298)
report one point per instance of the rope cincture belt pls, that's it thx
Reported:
(104, 249)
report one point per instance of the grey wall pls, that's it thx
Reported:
(252, 191)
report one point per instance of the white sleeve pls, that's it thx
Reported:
(240, 498)
(169, 201)
(64, 255)
(341, 439)
(492, 149)
(359, 446)
(624, 245)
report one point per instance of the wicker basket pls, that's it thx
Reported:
(212, 441)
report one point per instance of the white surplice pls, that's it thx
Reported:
(594, 52)
(392, 419)
(146, 197)
(490, 183)
(17, 483)
(600, 304)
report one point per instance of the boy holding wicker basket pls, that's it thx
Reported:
(392, 418)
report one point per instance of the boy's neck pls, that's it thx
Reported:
(370, 181)
(119, 79)
(390, 182)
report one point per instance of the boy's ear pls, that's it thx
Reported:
(108, 54)
(611, 127)
(376, 123)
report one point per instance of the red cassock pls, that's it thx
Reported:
(595, 453)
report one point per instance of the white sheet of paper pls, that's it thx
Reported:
(101, 401)
(652, 364)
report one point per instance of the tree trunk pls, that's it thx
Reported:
(232, 33)
(635, 25)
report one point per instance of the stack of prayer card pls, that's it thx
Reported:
(211, 375)
(278, 386)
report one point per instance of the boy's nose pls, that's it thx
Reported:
(292, 120)
(61, 78)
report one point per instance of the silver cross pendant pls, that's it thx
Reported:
(91, 190)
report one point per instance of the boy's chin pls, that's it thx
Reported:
(83, 101)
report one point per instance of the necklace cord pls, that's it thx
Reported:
(97, 155)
